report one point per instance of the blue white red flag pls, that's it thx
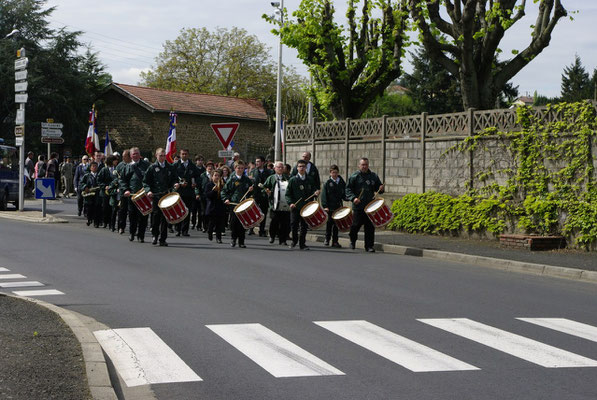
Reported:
(92, 140)
(282, 135)
(108, 146)
(171, 143)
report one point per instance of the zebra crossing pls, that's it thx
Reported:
(141, 357)
(13, 281)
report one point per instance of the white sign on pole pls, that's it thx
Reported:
(21, 87)
(52, 125)
(47, 132)
(21, 63)
(18, 141)
(21, 98)
(20, 120)
(21, 75)
(225, 153)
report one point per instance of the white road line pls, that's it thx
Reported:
(272, 352)
(20, 284)
(510, 343)
(32, 293)
(564, 325)
(142, 358)
(398, 349)
(12, 276)
(2, 269)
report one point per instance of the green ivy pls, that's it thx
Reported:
(536, 197)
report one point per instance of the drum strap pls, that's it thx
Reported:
(137, 171)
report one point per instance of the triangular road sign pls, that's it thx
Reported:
(225, 132)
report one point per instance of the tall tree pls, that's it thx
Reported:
(576, 83)
(475, 29)
(353, 66)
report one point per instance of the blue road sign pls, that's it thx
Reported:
(45, 188)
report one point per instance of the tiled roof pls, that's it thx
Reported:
(193, 103)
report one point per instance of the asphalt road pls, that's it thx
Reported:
(185, 291)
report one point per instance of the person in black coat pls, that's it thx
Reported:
(332, 195)
(215, 209)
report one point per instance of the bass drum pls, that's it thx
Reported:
(280, 203)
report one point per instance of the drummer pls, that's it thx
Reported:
(157, 182)
(280, 212)
(186, 174)
(360, 190)
(233, 192)
(332, 194)
(300, 188)
(131, 181)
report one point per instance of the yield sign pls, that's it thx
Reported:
(225, 132)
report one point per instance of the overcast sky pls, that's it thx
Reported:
(129, 34)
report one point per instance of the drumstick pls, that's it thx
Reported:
(360, 194)
(310, 197)
(241, 200)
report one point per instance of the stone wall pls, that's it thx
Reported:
(132, 125)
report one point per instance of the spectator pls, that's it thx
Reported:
(66, 173)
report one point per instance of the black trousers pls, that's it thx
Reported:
(360, 218)
(123, 212)
(217, 223)
(237, 230)
(203, 219)
(106, 210)
(183, 226)
(296, 222)
(159, 223)
(94, 211)
(331, 229)
(138, 224)
(196, 210)
(264, 206)
(81, 203)
(279, 225)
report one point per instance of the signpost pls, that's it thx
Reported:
(51, 133)
(225, 132)
(52, 140)
(21, 98)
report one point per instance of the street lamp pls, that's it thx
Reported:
(279, 6)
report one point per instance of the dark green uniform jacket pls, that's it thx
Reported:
(90, 181)
(259, 177)
(270, 183)
(105, 178)
(299, 190)
(368, 183)
(313, 173)
(132, 177)
(187, 174)
(159, 180)
(333, 193)
(236, 188)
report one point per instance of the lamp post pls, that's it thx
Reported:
(279, 6)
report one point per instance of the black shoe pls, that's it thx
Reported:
(251, 232)
(192, 226)
(163, 244)
(131, 238)
(170, 230)
(326, 243)
(336, 245)
(233, 243)
(219, 241)
(79, 213)
(262, 234)
(113, 229)
(121, 231)
(96, 226)
(88, 223)
(141, 240)
(242, 246)
(370, 250)
(305, 248)
(292, 245)
(283, 243)
(105, 226)
(210, 236)
(154, 241)
(186, 234)
(271, 240)
(352, 245)
(177, 234)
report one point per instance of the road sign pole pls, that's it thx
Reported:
(22, 168)
(43, 208)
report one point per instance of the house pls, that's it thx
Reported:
(138, 116)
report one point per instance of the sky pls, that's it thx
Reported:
(128, 35)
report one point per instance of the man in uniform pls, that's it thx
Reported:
(203, 180)
(280, 212)
(105, 178)
(80, 171)
(186, 174)
(233, 192)
(89, 183)
(158, 181)
(131, 181)
(259, 175)
(360, 190)
(300, 188)
(311, 169)
(196, 217)
(332, 194)
(124, 201)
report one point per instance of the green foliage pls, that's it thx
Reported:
(576, 83)
(390, 104)
(550, 189)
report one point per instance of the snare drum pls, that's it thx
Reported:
(342, 217)
(314, 214)
(378, 212)
(173, 208)
(142, 202)
(248, 213)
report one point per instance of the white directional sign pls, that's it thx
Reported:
(21, 75)
(18, 141)
(52, 125)
(21, 63)
(21, 87)
(21, 98)
(225, 153)
(51, 132)
(20, 119)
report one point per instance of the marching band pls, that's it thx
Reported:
(176, 194)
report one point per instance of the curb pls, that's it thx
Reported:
(20, 216)
(481, 261)
(96, 367)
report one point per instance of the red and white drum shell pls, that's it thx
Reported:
(142, 202)
(248, 213)
(314, 214)
(378, 212)
(173, 208)
(342, 217)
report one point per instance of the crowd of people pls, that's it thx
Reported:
(117, 189)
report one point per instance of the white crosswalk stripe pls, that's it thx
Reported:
(398, 349)
(566, 326)
(272, 352)
(20, 284)
(142, 358)
(510, 343)
(35, 293)
(2, 269)
(12, 276)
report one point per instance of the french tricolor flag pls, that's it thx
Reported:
(171, 143)
(92, 140)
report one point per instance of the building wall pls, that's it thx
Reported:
(132, 125)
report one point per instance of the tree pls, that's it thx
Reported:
(351, 67)
(390, 104)
(466, 42)
(62, 83)
(576, 84)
